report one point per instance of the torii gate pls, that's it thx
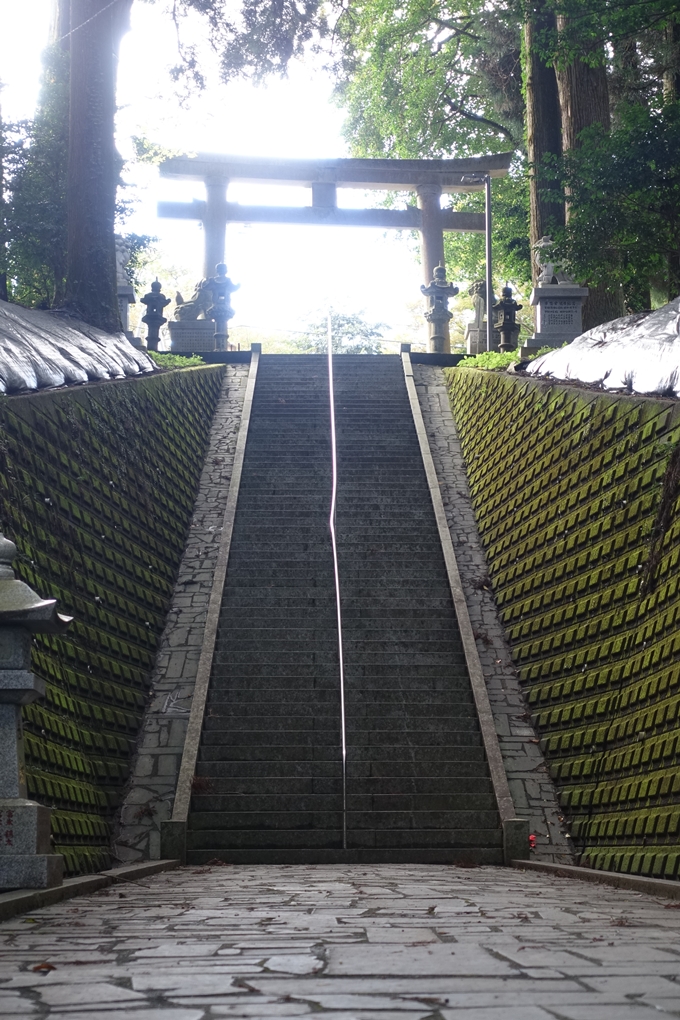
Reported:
(428, 178)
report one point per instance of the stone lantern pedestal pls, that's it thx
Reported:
(25, 857)
(558, 315)
(192, 336)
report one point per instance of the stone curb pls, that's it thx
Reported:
(21, 900)
(636, 883)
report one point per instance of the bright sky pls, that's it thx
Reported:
(287, 274)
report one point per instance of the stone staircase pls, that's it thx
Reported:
(268, 782)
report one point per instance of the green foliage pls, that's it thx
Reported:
(492, 360)
(253, 40)
(150, 152)
(419, 80)
(35, 161)
(624, 225)
(351, 335)
(142, 253)
(465, 255)
(174, 360)
(489, 360)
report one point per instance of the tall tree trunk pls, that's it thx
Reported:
(671, 74)
(584, 101)
(60, 29)
(626, 84)
(544, 132)
(94, 163)
(4, 294)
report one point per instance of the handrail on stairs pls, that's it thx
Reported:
(336, 571)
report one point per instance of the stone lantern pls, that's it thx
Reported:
(221, 288)
(507, 324)
(439, 292)
(155, 303)
(25, 857)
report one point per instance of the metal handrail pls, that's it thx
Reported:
(334, 544)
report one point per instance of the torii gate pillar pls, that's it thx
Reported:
(432, 241)
(214, 223)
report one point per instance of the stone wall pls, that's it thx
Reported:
(97, 486)
(576, 497)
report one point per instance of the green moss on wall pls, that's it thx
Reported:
(576, 497)
(97, 486)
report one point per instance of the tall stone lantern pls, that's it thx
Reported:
(25, 857)
(438, 293)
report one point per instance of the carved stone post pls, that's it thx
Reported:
(432, 244)
(25, 858)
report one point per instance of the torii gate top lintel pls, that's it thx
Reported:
(449, 175)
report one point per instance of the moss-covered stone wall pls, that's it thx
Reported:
(97, 487)
(576, 496)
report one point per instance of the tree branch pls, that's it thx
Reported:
(477, 118)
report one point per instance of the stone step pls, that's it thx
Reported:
(279, 786)
(263, 601)
(465, 765)
(374, 753)
(267, 820)
(216, 839)
(360, 722)
(469, 857)
(204, 807)
(250, 676)
(355, 611)
(231, 737)
(241, 703)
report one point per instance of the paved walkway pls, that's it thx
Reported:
(349, 943)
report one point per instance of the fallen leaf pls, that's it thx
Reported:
(44, 968)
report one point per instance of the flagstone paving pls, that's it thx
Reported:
(354, 942)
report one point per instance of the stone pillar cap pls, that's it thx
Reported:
(20, 606)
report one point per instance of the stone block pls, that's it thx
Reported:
(15, 648)
(475, 340)
(515, 840)
(32, 871)
(173, 839)
(558, 314)
(192, 337)
(24, 828)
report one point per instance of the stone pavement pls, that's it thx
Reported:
(533, 791)
(151, 791)
(353, 942)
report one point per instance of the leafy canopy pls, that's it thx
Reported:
(351, 335)
(624, 199)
